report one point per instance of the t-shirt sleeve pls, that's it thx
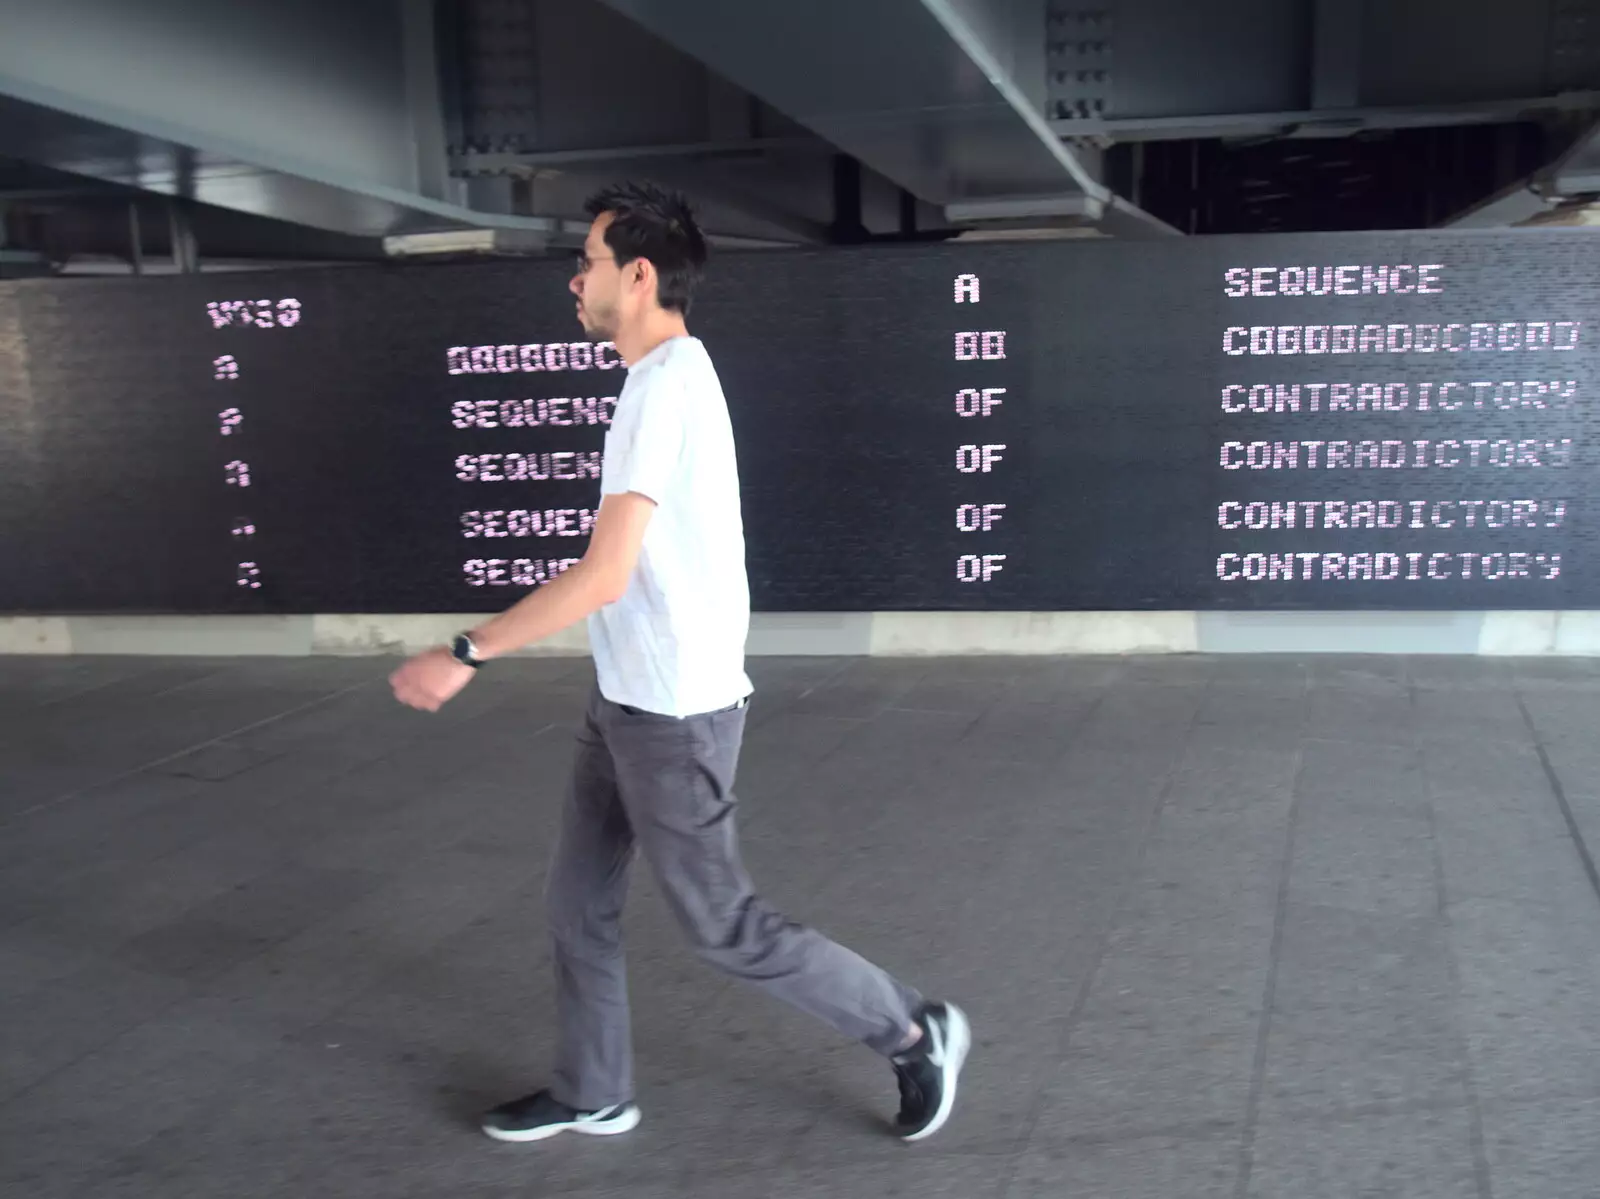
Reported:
(644, 447)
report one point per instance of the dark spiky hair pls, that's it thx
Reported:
(658, 225)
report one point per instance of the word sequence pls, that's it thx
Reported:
(562, 412)
(535, 356)
(1410, 566)
(523, 522)
(521, 468)
(1390, 514)
(1332, 280)
(1478, 337)
(1395, 454)
(515, 572)
(1278, 399)
(977, 403)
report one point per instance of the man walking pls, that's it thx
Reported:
(664, 591)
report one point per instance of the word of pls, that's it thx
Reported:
(1279, 398)
(519, 522)
(972, 402)
(529, 414)
(971, 458)
(1283, 568)
(973, 518)
(1332, 280)
(967, 289)
(262, 314)
(227, 367)
(1483, 336)
(555, 356)
(978, 568)
(1392, 455)
(518, 468)
(988, 346)
(515, 572)
(1390, 514)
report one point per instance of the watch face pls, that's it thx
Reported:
(462, 648)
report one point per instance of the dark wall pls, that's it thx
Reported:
(1132, 461)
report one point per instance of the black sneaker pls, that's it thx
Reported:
(538, 1117)
(929, 1069)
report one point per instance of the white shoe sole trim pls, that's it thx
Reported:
(626, 1122)
(958, 1040)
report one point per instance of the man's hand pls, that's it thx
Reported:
(430, 680)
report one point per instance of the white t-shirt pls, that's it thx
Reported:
(674, 643)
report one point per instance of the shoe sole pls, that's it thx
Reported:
(958, 1043)
(607, 1128)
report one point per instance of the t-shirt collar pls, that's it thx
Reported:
(660, 352)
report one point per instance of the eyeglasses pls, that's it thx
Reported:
(582, 262)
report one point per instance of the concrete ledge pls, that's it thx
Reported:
(912, 633)
(35, 635)
(357, 635)
(209, 636)
(1533, 634)
(1577, 634)
(1340, 632)
(798, 634)
(1518, 634)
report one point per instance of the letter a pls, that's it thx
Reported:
(966, 289)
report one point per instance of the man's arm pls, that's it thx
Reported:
(429, 680)
(598, 579)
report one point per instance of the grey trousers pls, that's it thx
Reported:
(663, 787)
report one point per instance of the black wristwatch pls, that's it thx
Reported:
(463, 651)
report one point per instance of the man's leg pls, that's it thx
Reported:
(584, 897)
(585, 891)
(676, 781)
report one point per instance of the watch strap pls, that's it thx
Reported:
(463, 651)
